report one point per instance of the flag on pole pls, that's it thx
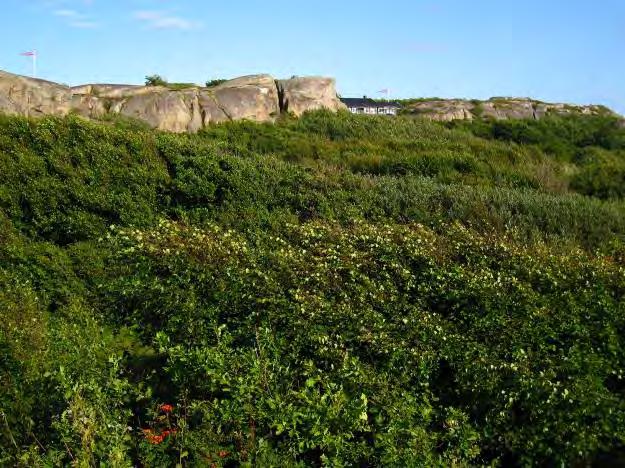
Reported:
(386, 91)
(33, 55)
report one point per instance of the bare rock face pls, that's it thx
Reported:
(30, 97)
(114, 91)
(502, 109)
(158, 106)
(187, 110)
(162, 109)
(444, 110)
(88, 106)
(258, 98)
(299, 95)
(497, 109)
(211, 110)
(252, 97)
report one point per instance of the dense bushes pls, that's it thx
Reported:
(595, 143)
(489, 338)
(215, 82)
(333, 290)
(558, 135)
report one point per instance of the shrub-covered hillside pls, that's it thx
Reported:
(335, 290)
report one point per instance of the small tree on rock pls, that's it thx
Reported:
(155, 80)
(217, 82)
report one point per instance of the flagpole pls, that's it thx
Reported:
(34, 64)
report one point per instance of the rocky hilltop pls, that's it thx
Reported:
(495, 108)
(258, 98)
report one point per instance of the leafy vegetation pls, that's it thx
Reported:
(596, 144)
(215, 82)
(158, 80)
(332, 290)
(155, 80)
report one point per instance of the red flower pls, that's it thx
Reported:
(153, 438)
(167, 408)
(223, 454)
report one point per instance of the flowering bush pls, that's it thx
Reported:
(334, 290)
(308, 342)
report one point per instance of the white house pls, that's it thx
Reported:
(368, 106)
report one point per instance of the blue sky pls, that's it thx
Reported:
(555, 50)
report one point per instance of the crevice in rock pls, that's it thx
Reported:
(221, 108)
(202, 114)
(283, 103)
(191, 102)
(534, 111)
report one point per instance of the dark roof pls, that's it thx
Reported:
(367, 102)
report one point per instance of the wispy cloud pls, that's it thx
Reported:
(71, 13)
(163, 20)
(75, 19)
(67, 13)
(84, 24)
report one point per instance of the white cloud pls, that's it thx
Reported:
(76, 19)
(84, 24)
(162, 20)
(67, 13)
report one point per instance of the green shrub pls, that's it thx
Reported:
(213, 83)
(158, 80)
(330, 290)
(558, 135)
(602, 181)
(155, 80)
(467, 322)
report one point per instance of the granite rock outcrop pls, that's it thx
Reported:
(258, 98)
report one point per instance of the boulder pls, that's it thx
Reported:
(210, 109)
(188, 110)
(258, 98)
(497, 109)
(163, 109)
(502, 109)
(299, 95)
(89, 106)
(444, 110)
(115, 91)
(252, 97)
(20, 95)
